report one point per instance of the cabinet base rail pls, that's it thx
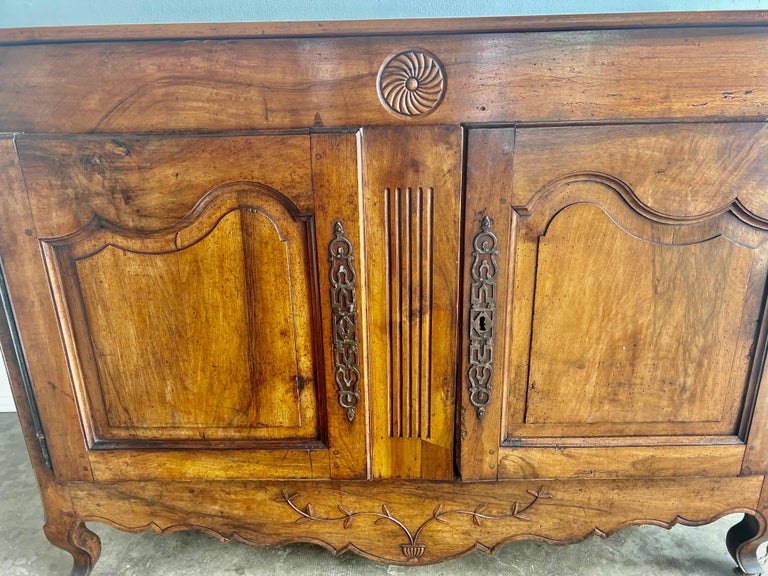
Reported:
(407, 523)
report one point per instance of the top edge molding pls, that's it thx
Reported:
(395, 27)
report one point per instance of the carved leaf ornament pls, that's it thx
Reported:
(413, 549)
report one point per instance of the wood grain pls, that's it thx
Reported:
(242, 362)
(338, 198)
(545, 304)
(389, 26)
(231, 85)
(756, 455)
(30, 296)
(61, 526)
(123, 178)
(682, 170)
(588, 315)
(412, 187)
(258, 514)
(213, 464)
(747, 537)
(217, 375)
(620, 462)
(172, 199)
(489, 174)
(667, 330)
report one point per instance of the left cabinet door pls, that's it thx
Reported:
(205, 292)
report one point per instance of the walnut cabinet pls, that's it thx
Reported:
(407, 289)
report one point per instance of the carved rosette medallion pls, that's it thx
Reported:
(482, 313)
(344, 321)
(411, 83)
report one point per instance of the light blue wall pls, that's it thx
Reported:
(19, 13)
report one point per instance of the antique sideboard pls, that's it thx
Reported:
(402, 288)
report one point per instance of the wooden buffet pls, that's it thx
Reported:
(404, 288)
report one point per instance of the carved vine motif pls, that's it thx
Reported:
(412, 83)
(482, 314)
(413, 549)
(344, 321)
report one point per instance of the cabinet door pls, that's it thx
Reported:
(205, 291)
(616, 281)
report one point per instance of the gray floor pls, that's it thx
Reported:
(24, 551)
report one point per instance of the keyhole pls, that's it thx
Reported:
(482, 323)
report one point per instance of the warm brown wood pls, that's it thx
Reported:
(628, 333)
(609, 461)
(257, 513)
(756, 455)
(72, 536)
(30, 294)
(335, 180)
(629, 327)
(62, 528)
(146, 87)
(743, 540)
(681, 170)
(409, 289)
(489, 170)
(197, 266)
(228, 31)
(125, 178)
(214, 464)
(747, 537)
(412, 210)
(237, 368)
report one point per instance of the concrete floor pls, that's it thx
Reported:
(635, 551)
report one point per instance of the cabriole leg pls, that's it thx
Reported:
(743, 540)
(75, 538)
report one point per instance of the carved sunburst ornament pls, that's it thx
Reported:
(411, 83)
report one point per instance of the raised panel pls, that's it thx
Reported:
(200, 331)
(613, 343)
(209, 314)
(617, 310)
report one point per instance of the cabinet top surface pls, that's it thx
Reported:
(382, 27)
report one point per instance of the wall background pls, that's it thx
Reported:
(22, 13)
(26, 13)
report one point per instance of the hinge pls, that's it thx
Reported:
(21, 361)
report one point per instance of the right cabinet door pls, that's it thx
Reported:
(614, 295)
